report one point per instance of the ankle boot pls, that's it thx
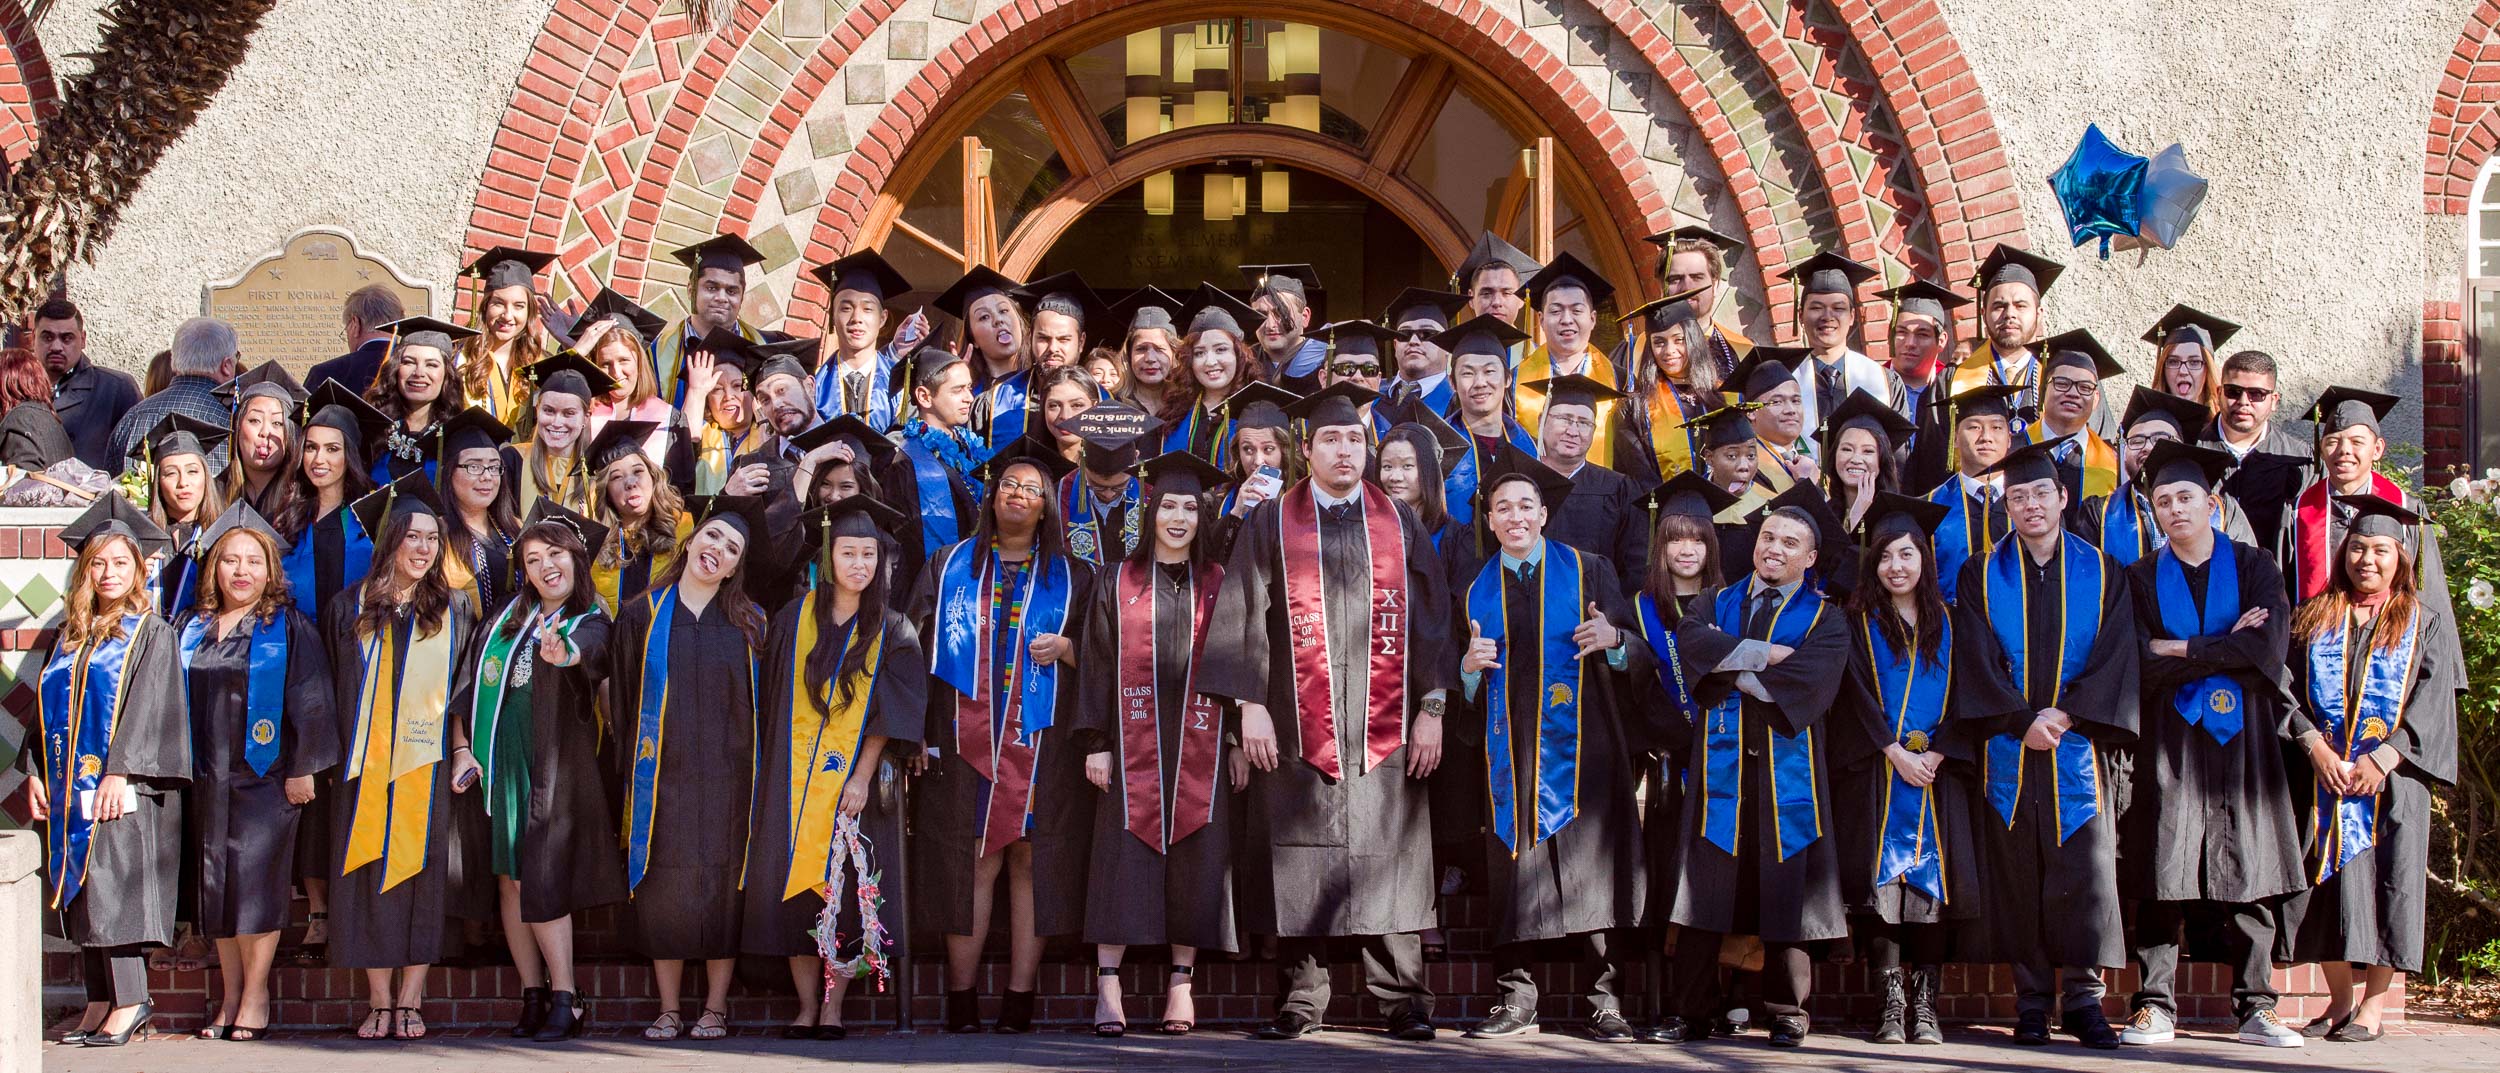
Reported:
(963, 1011)
(567, 1016)
(1015, 1012)
(1889, 1029)
(534, 1004)
(1924, 983)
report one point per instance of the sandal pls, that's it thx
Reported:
(411, 1024)
(664, 1027)
(213, 1032)
(245, 1034)
(1109, 1029)
(316, 930)
(713, 1024)
(379, 1023)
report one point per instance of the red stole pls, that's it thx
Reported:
(1008, 764)
(2312, 566)
(1307, 626)
(1141, 726)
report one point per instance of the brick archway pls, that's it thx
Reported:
(2464, 130)
(28, 95)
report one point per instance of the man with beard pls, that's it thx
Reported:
(2272, 464)
(2012, 285)
(1065, 314)
(716, 290)
(89, 399)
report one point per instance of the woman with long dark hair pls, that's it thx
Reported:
(264, 447)
(184, 499)
(683, 699)
(999, 609)
(1858, 467)
(109, 769)
(418, 388)
(476, 482)
(843, 676)
(526, 707)
(1673, 382)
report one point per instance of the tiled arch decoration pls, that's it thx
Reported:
(2464, 129)
(1799, 124)
(28, 95)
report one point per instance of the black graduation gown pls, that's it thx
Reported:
(2045, 901)
(897, 702)
(2371, 911)
(945, 806)
(312, 830)
(776, 559)
(241, 824)
(1330, 857)
(1670, 737)
(1927, 461)
(134, 864)
(495, 565)
(1590, 876)
(1751, 892)
(686, 906)
(899, 489)
(2267, 479)
(1456, 788)
(1133, 895)
(2085, 521)
(566, 851)
(2213, 822)
(2430, 572)
(1600, 518)
(410, 924)
(1865, 780)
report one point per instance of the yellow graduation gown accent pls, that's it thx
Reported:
(824, 750)
(605, 577)
(1529, 403)
(669, 355)
(2100, 460)
(399, 729)
(571, 484)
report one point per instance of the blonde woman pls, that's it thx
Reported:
(612, 346)
(554, 463)
(512, 330)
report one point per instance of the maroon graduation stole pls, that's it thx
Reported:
(1006, 764)
(1141, 731)
(2312, 561)
(1306, 622)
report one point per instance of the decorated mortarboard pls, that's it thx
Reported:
(592, 534)
(2373, 515)
(867, 444)
(1490, 250)
(411, 494)
(2030, 462)
(239, 515)
(1148, 307)
(180, 434)
(973, 286)
(265, 380)
(1182, 473)
(1219, 311)
(569, 373)
(867, 272)
(1986, 400)
(729, 253)
(1575, 390)
(1260, 404)
(1479, 335)
(2077, 349)
(508, 266)
(2186, 417)
(1035, 448)
(1766, 369)
(1829, 273)
(1447, 438)
(1420, 303)
(1507, 461)
(742, 513)
(1863, 410)
(616, 441)
(1067, 294)
(2174, 461)
(426, 332)
(1340, 403)
(1920, 298)
(1726, 426)
(473, 429)
(2188, 324)
(333, 406)
(627, 313)
(1113, 434)
(1300, 281)
(859, 516)
(1563, 271)
(1689, 494)
(113, 514)
(1893, 512)
(1357, 338)
(1666, 240)
(2340, 408)
(2006, 264)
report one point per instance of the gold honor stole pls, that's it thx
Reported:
(572, 484)
(399, 728)
(1670, 439)
(2100, 460)
(1769, 470)
(824, 746)
(1530, 405)
(715, 452)
(606, 579)
(668, 355)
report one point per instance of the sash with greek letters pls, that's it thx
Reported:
(1308, 627)
(1142, 801)
(999, 731)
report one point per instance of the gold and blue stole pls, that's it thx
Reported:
(2215, 701)
(2081, 577)
(1960, 537)
(1459, 484)
(2357, 718)
(82, 704)
(264, 702)
(1659, 631)
(642, 792)
(1913, 690)
(937, 458)
(1796, 811)
(1561, 686)
(1008, 396)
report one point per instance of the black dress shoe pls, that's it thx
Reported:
(1015, 1012)
(1788, 1030)
(138, 1027)
(1673, 1030)
(567, 1017)
(833, 1032)
(2090, 1027)
(963, 1011)
(1610, 1027)
(535, 1006)
(2031, 1029)
(1288, 1026)
(1505, 1022)
(1413, 1028)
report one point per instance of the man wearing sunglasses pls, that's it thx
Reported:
(2272, 465)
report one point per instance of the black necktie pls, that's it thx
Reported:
(1339, 512)
(1526, 573)
(1764, 603)
(1403, 391)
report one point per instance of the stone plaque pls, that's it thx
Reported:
(287, 305)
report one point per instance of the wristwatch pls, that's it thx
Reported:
(1434, 704)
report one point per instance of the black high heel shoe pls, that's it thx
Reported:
(1106, 1029)
(963, 1010)
(567, 1017)
(533, 1013)
(138, 1026)
(1015, 1012)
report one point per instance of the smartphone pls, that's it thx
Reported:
(1266, 482)
(464, 780)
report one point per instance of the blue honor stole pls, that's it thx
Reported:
(2124, 536)
(82, 701)
(2214, 702)
(932, 480)
(964, 630)
(1189, 435)
(1660, 635)
(2075, 761)
(1008, 397)
(1796, 800)
(2357, 718)
(1960, 537)
(1562, 683)
(1913, 691)
(650, 718)
(1461, 481)
(831, 402)
(303, 576)
(264, 695)
(1084, 522)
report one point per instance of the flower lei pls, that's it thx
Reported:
(851, 856)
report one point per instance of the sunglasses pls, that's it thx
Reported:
(2238, 392)
(1351, 369)
(1415, 335)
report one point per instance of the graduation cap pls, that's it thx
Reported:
(1067, 294)
(1446, 438)
(239, 515)
(866, 271)
(569, 373)
(1767, 368)
(1357, 338)
(592, 534)
(2005, 264)
(1218, 310)
(2173, 461)
(1113, 434)
(508, 266)
(332, 406)
(2030, 462)
(1689, 494)
(1829, 273)
(1260, 404)
(1422, 303)
(2186, 417)
(411, 494)
(1726, 426)
(973, 286)
(1920, 298)
(2340, 408)
(1033, 448)
(729, 253)
(1893, 512)
(1863, 410)
(1148, 307)
(114, 515)
(856, 516)
(618, 440)
(1488, 251)
(473, 429)
(1575, 390)
(1479, 335)
(1300, 281)
(611, 306)
(795, 356)
(265, 380)
(1181, 473)
(1661, 314)
(426, 332)
(180, 434)
(1508, 460)
(2372, 516)
(1338, 404)
(1986, 400)
(1666, 240)
(1829, 530)
(1566, 271)
(742, 513)
(2187, 324)
(868, 446)
(2077, 349)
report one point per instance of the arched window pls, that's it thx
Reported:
(2482, 336)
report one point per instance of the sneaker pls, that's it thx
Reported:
(1505, 1022)
(2149, 1025)
(2264, 1029)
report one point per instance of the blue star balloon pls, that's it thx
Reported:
(2100, 189)
(2172, 194)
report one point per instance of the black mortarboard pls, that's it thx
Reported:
(1563, 271)
(1218, 310)
(569, 373)
(1667, 239)
(265, 380)
(1575, 390)
(1657, 315)
(1148, 307)
(618, 440)
(1113, 435)
(1300, 281)
(1919, 298)
(1829, 273)
(1446, 438)
(1357, 338)
(1035, 447)
(864, 271)
(410, 494)
(609, 305)
(2340, 408)
(2005, 264)
(1830, 531)
(426, 332)
(1986, 400)
(1067, 294)
(1260, 404)
(473, 429)
(333, 406)
(2372, 516)
(1766, 368)
(1725, 426)
(1687, 493)
(742, 513)
(973, 286)
(181, 434)
(1479, 335)
(868, 446)
(728, 253)
(113, 514)
(593, 535)
(1420, 303)
(2187, 417)
(1338, 404)
(1863, 410)
(2173, 461)
(2029, 462)
(508, 266)
(1491, 250)
(1893, 512)
(1182, 473)
(2185, 323)
(795, 356)
(2077, 349)
(1507, 460)
(240, 515)
(864, 517)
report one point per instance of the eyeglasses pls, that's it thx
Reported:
(2237, 392)
(2067, 385)
(2180, 365)
(478, 469)
(2139, 444)
(1347, 368)
(1027, 491)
